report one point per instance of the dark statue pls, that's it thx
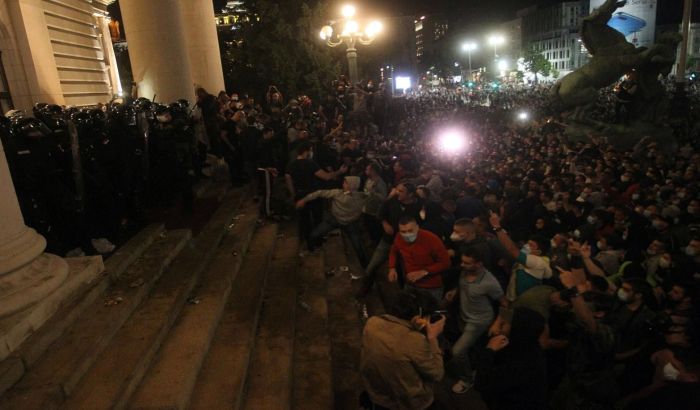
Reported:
(612, 58)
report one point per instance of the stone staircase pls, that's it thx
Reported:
(230, 318)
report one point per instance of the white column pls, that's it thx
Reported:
(27, 274)
(155, 34)
(109, 58)
(202, 44)
(34, 45)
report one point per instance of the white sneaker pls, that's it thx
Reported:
(462, 387)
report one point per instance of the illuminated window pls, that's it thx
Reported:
(5, 98)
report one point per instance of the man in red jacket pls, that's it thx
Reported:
(423, 256)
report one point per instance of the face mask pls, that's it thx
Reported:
(455, 237)
(577, 234)
(526, 249)
(651, 251)
(664, 263)
(657, 224)
(599, 245)
(647, 213)
(624, 178)
(635, 197)
(681, 195)
(409, 237)
(553, 243)
(622, 295)
(592, 219)
(691, 251)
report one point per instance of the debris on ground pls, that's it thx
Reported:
(135, 284)
(305, 306)
(113, 300)
(193, 300)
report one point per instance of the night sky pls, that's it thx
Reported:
(476, 11)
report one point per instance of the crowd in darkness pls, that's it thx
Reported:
(542, 272)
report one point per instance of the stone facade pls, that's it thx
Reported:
(57, 51)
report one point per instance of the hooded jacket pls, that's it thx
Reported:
(346, 206)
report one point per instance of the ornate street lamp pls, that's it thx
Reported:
(350, 34)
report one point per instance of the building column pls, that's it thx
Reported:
(202, 44)
(157, 49)
(108, 49)
(34, 46)
(27, 275)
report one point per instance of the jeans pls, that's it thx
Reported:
(352, 230)
(460, 350)
(380, 255)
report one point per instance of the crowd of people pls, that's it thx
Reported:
(540, 272)
(543, 273)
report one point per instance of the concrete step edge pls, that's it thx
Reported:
(26, 385)
(200, 252)
(179, 393)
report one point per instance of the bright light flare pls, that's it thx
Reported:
(523, 116)
(326, 32)
(502, 65)
(496, 40)
(374, 28)
(452, 141)
(348, 11)
(469, 46)
(351, 27)
(403, 83)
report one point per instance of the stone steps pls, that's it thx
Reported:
(14, 367)
(269, 382)
(55, 375)
(170, 381)
(122, 366)
(221, 380)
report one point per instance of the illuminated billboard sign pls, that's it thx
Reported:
(636, 20)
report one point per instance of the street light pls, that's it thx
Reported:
(350, 34)
(496, 40)
(469, 47)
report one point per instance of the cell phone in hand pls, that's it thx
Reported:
(437, 315)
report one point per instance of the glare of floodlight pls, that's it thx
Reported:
(374, 28)
(403, 83)
(523, 116)
(469, 46)
(326, 32)
(502, 65)
(351, 27)
(496, 40)
(348, 10)
(452, 141)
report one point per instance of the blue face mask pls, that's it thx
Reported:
(409, 237)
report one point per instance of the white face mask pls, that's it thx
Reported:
(455, 237)
(592, 219)
(599, 245)
(622, 295)
(409, 237)
(553, 243)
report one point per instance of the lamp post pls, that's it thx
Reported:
(496, 40)
(350, 35)
(469, 47)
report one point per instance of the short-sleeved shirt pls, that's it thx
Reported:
(529, 272)
(536, 298)
(476, 298)
(303, 176)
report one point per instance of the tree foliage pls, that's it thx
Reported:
(535, 63)
(282, 49)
